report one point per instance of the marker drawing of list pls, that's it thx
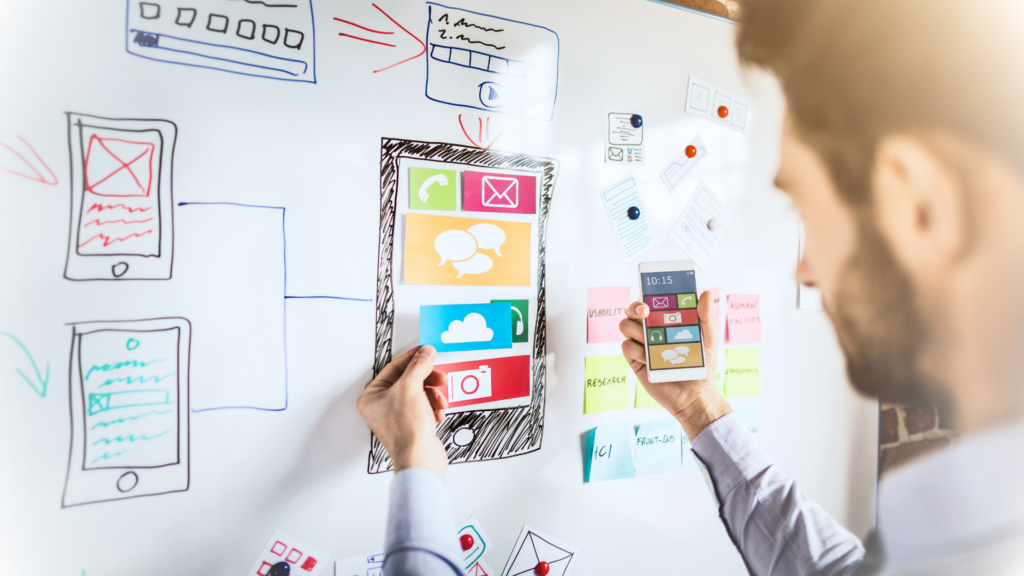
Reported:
(695, 231)
(634, 234)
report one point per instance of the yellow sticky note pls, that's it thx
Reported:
(607, 384)
(466, 251)
(742, 372)
(643, 399)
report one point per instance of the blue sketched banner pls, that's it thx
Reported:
(461, 327)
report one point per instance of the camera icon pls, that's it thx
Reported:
(674, 318)
(469, 384)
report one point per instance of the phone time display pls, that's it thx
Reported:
(668, 282)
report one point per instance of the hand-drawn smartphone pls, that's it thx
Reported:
(122, 225)
(129, 410)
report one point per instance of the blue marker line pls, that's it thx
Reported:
(335, 298)
(43, 382)
(305, 66)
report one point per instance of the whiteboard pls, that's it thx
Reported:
(274, 158)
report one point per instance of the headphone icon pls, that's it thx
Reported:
(657, 337)
(519, 323)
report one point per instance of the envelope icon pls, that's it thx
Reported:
(615, 154)
(660, 302)
(500, 192)
(536, 549)
(118, 167)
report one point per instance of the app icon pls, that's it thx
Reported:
(469, 384)
(460, 327)
(674, 318)
(676, 356)
(508, 193)
(666, 302)
(687, 300)
(431, 189)
(487, 380)
(466, 251)
(520, 319)
(683, 334)
(656, 336)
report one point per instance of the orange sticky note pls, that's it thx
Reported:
(466, 251)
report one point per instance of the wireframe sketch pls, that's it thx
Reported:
(264, 38)
(129, 400)
(122, 221)
(474, 435)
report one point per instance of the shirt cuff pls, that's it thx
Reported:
(728, 455)
(420, 516)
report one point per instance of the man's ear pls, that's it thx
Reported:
(919, 204)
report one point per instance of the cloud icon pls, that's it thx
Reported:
(684, 334)
(675, 355)
(473, 328)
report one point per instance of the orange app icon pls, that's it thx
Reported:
(466, 251)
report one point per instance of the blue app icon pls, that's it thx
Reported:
(460, 327)
(683, 334)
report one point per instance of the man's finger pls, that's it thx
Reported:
(393, 371)
(633, 350)
(632, 329)
(436, 379)
(420, 366)
(637, 311)
(436, 399)
(708, 321)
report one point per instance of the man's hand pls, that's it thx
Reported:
(694, 403)
(401, 407)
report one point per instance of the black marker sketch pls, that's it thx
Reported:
(186, 17)
(129, 403)
(149, 10)
(246, 29)
(475, 435)
(217, 23)
(122, 220)
(271, 33)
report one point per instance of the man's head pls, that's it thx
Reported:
(903, 149)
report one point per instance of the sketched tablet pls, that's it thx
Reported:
(129, 410)
(122, 226)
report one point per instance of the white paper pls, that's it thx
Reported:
(691, 230)
(623, 144)
(635, 236)
(704, 99)
(303, 558)
(682, 164)
(473, 561)
(534, 546)
(365, 565)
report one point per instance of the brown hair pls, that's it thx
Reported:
(854, 71)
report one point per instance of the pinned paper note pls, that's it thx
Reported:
(607, 384)
(743, 318)
(634, 234)
(461, 327)
(474, 542)
(682, 164)
(301, 558)
(623, 138)
(520, 319)
(466, 251)
(701, 225)
(608, 453)
(742, 372)
(718, 105)
(606, 307)
(372, 564)
(644, 399)
(533, 547)
(658, 447)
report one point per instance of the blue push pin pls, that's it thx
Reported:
(636, 121)
(633, 212)
(280, 569)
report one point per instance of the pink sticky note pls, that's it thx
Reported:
(743, 318)
(714, 297)
(487, 192)
(606, 307)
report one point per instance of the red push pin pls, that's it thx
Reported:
(691, 151)
(542, 568)
(466, 541)
(723, 112)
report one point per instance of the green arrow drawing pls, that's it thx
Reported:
(43, 382)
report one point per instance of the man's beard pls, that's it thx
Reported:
(880, 327)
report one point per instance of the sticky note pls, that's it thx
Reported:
(692, 232)
(607, 384)
(658, 447)
(742, 372)
(486, 380)
(606, 307)
(520, 319)
(282, 548)
(608, 453)
(432, 189)
(743, 318)
(643, 399)
(510, 194)
(478, 543)
(635, 236)
(750, 418)
(461, 327)
(466, 251)
(683, 163)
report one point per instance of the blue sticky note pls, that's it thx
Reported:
(460, 327)
(608, 453)
(658, 447)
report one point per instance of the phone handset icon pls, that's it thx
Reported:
(519, 323)
(435, 179)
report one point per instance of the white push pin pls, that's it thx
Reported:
(713, 225)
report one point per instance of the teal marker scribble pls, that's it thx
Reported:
(136, 380)
(108, 456)
(129, 438)
(130, 399)
(123, 420)
(43, 381)
(129, 344)
(126, 363)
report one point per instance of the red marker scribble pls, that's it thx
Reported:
(365, 40)
(102, 207)
(107, 240)
(480, 122)
(147, 151)
(363, 27)
(99, 222)
(38, 176)
(421, 52)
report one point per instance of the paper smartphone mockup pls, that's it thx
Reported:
(672, 338)
(129, 410)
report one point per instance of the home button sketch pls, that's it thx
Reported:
(463, 436)
(493, 95)
(127, 481)
(119, 269)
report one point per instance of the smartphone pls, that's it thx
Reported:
(672, 338)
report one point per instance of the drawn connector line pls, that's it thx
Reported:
(480, 132)
(37, 176)
(43, 381)
(420, 53)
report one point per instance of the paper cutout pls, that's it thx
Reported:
(743, 318)
(682, 164)
(432, 189)
(372, 564)
(534, 546)
(635, 236)
(520, 320)
(466, 251)
(607, 384)
(704, 99)
(510, 194)
(487, 380)
(643, 399)
(475, 553)
(691, 231)
(608, 452)
(623, 142)
(658, 447)
(461, 327)
(304, 559)
(742, 372)
(606, 307)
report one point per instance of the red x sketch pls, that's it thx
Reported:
(115, 167)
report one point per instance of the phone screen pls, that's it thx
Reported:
(673, 330)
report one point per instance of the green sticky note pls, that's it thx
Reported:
(607, 384)
(431, 189)
(742, 372)
(643, 399)
(520, 319)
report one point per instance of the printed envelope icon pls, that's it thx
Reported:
(661, 302)
(500, 192)
(116, 167)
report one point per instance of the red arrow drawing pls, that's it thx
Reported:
(38, 177)
(483, 132)
(422, 45)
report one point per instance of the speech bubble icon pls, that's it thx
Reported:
(478, 264)
(454, 245)
(488, 236)
(669, 355)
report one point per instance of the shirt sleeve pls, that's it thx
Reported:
(420, 538)
(777, 530)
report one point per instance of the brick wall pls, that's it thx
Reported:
(907, 432)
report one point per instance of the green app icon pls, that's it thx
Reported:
(520, 319)
(656, 336)
(687, 300)
(431, 189)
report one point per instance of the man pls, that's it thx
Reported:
(903, 150)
